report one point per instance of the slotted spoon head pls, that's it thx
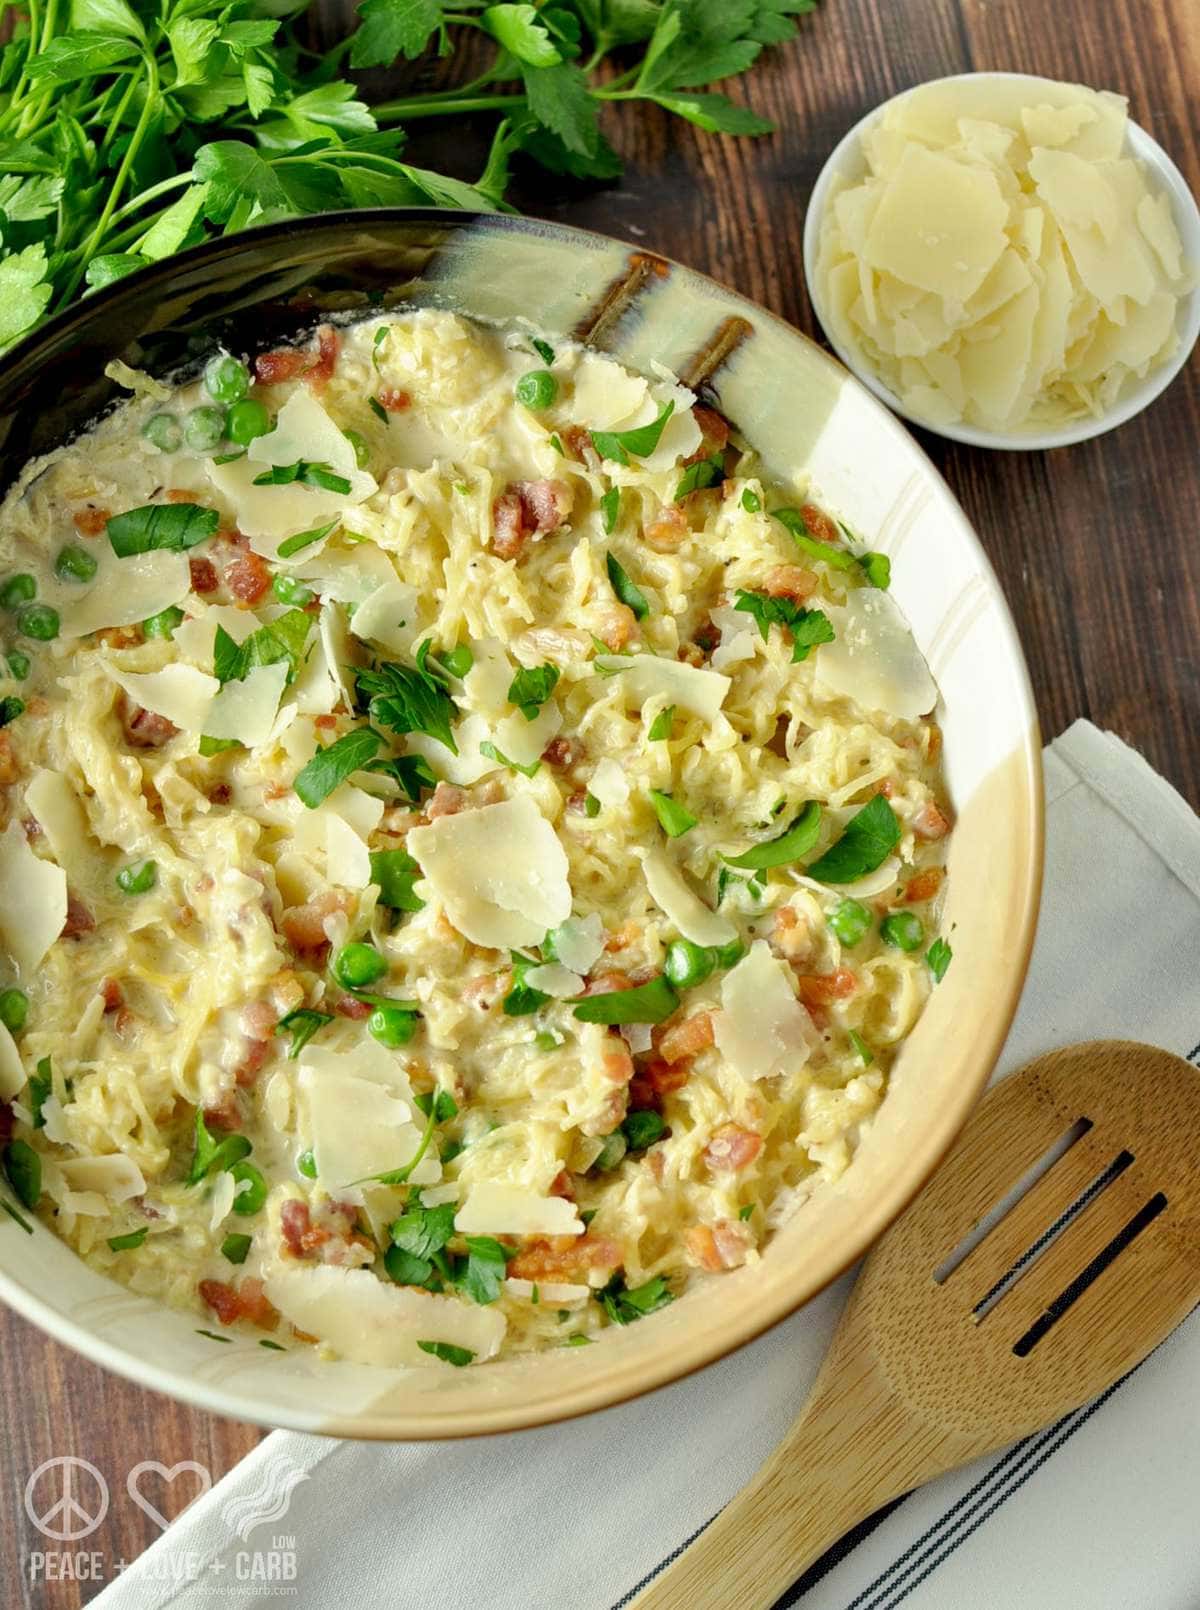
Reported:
(989, 1336)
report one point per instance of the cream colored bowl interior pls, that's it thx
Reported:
(799, 408)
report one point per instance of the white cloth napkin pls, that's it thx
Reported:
(1098, 1512)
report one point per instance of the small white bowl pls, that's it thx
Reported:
(847, 162)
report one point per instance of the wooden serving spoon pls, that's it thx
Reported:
(1057, 1245)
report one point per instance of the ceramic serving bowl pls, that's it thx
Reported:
(847, 162)
(799, 408)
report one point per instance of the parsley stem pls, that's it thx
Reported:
(149, 110)
(408, 110)
(118, 117)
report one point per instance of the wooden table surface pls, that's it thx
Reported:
(1098, 546)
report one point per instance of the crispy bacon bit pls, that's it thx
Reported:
(621, 938)
(248, 1069)
(114, 999)
(393, 400)
(931, 823)
(119, 637)
(714, 433)
(708, 636)
(577, 440)
(350, 1006)
(615, 625)
(227, 1114)
(789, 581)
(31, 828)
(447, 800)
(657, 1080)
(330, 1238)
(558, 1256)
(605, 983)
(145, 728)
(325, 722)
(179, 494)
(562, 1185)
(221, 794)
(576, 803)
(508, 532)
(8, 761)
(924, 886)
(79, 918)
(204, 575)
(258, 1020)
(304, 926)
(90, 522)
(886, 787)
(483, 992)
(790, 935)
(688, 1038)
(819, 523)
(616, 1061)
(285, 363)
(563, 752)
(328, 345)
(822, 989)
(246, 1300)
(247, 575)
(299, 1234)
(723, 1246)
(667, 530)
(732, 1148)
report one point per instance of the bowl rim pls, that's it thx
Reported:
(897, 1189)
(1143, 146)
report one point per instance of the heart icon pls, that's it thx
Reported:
(159, 1469)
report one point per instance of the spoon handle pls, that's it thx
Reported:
(852, 1449)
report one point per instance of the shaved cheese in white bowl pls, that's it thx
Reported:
(492, 1208)
(762, 1029)
(33, 901)
(1006, 259)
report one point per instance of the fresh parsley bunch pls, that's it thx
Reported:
(130, 129)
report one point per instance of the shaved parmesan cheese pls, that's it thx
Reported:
(495, 1209)
(681, 905)
(558, 1293)
(179, 692)
(60, 815)
(340, 827)
(12, 1069)
(246, 709)
(606, 393)
(579, 942)
(608, 783)
(866, 888)
(388, 616)
(552, 978)
(317, 689)
(1000, 261)
(116, 1176)
(33, 901)
(221, 1201)
(470, 763)
(486, 684)
(340, 656)
(646, 676)
(369, 1321)
(347, 858)
(367, 1059)
(194, 638)
(874, 659)
(737, 638)
(359, 1128)
(499, 871)
(762, 1029)
(127, 591)
(523, 741)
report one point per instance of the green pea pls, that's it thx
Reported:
(203, 428)
(306, 1163)
(225, 379)
(459, 660)
(357, 966)
(164, 623)
(591, 805)
(392, 1026)
(19, 665)
(731, 954)
(75, 564)
(688, 964)
(903, 929)
(536, 389)
(138, 878)
(849, 920)
(163, 430)
(14, 1009)
(613, 1150)
(38, 621)
(362, 453)
(290, 591)
(246, 420)
(10, 708)
(251, 1200)
(17, 590)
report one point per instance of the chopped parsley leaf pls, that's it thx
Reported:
(751, 501)
(866, 842)
(407, 699)
(303, 539)
(626, 590)
(643, 439)
(531, 687)
(746, 1212)
(938, 957)
(330, 767)
(127, 1243)
(648, 1003)
(395, 872)
(704, 472)
(501, 759)
(412, 773)
(660, 727)
(317, 475)
(448, 1353)
(624, 1304)
(807, 626)
(301, 1024)
(522, 998)
(174, 526)
(281, 639)
(543, 349)
(610, 508)
(795, 840)
(861, 1049)
(675, 819)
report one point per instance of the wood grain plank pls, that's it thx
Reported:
(1096, 545)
